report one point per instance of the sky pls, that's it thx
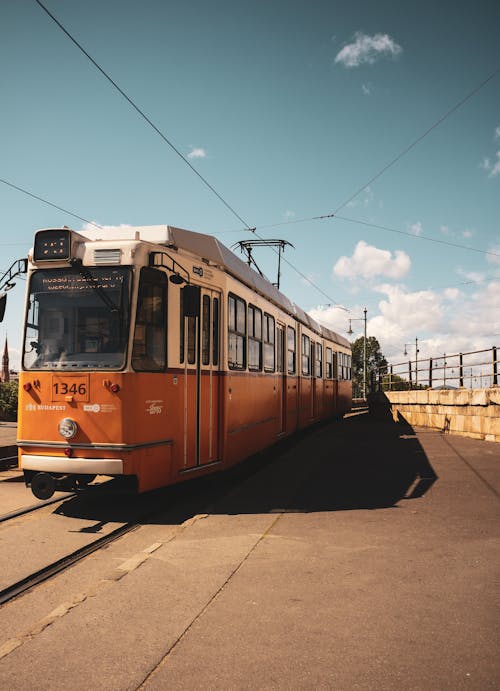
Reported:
(288, 110)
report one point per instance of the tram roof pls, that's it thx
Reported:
(209, 248)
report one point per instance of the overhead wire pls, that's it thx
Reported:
(377, 226)
(141, 113)
(418, 237)
(169, 142)
(408, 148)
(46, 201)
(398, 157)
(333, 214)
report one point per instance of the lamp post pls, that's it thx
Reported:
(416, 358)
(350, 332)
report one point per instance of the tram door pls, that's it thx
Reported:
(200, 314)
(280, 379)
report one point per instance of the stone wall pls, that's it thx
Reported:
(471, 413)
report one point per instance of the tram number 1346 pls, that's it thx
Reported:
(63, 388)
(75, 386)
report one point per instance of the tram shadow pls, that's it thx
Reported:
(361, 462)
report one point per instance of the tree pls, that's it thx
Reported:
(8, 401)
(374, 360)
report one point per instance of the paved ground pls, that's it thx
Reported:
(363, 556)
(8, 431)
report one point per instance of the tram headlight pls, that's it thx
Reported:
(67, 428)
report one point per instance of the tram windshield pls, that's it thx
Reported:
(77, 318)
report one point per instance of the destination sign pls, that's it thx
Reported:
(75, 283)
(52, 245)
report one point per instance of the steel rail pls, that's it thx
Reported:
(8, 460)
(25, 584)
(34, 507)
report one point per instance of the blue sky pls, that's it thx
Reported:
(287, 109)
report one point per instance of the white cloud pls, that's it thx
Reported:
(451, 233)
(366, 89)
(416, 228)
(95, 225)
(367, 49)
(473, 276)
(365, 200)
(495, 169)
(494, 259)
(451, 293)
(333, 318)
(446, 321)
(368, 261)
(197, 152)
(289, 214)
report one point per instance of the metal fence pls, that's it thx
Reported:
(475, 370)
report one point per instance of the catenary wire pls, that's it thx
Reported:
(81, 218)
(408, 148)
(417, 237)
(334, 217)
(46, 201)
(344, 203)
(142, 113)
(170, 144)
(386, 167)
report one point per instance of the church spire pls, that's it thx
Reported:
(5, 374)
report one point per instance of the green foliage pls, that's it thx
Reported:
(374, 360)
(8, 401)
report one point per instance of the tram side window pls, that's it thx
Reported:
(335, 365)
(345, 366)
(280, 349)
(237, 329)
(191, 335)
(215, 332)
(254, 339)
(306, 355)
(329, 364)
(269, 354)
(150, 335)
(319, 360)
(291, 350)
(205, 332)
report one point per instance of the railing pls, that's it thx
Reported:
(476, 370)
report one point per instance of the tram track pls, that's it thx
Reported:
(7, 462)
(25, 584)
(179, 502)
(157, 504)
(34, 507)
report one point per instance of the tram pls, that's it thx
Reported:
(156, 353)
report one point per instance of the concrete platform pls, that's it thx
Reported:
(363, 556)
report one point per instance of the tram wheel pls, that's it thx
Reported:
(43, 485)
(82, 481)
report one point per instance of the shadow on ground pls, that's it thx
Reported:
(361, 462)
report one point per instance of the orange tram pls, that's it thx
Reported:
(156, 353)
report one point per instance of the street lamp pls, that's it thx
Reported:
(416, 358)
(350, 332)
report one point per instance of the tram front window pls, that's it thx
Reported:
(77, 318)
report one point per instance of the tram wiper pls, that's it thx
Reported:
(86, 274)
